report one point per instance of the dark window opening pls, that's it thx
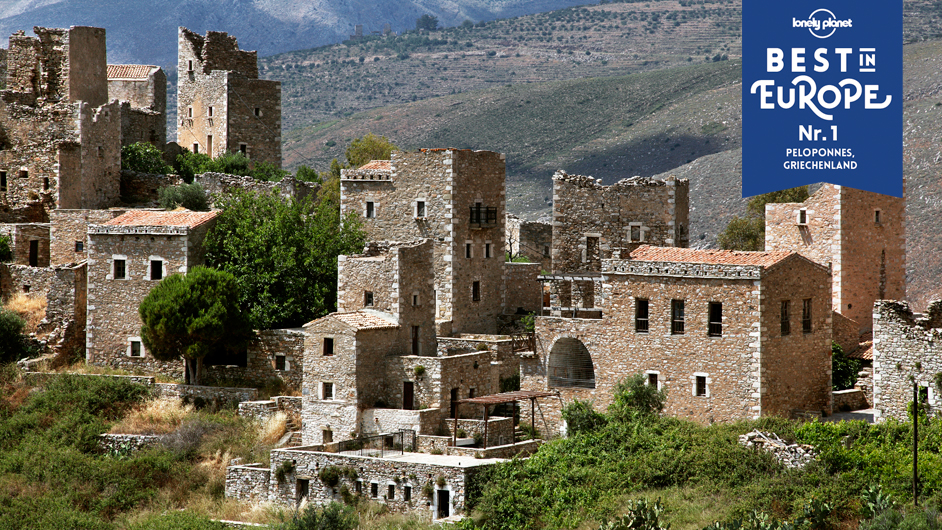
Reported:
(328, 391)
(210, 112)
(806, 315)
(26, 288)
(370, 210)
(470, 393)
(244, 149)
(546, 251)
(156, 269)
(802, 217)
(467, 250)
(415, 299)
(3, 181)
(876, 216)
(80, 246)
(677, 317)
(420, 209)
(328, 346)
(783, 316)
(196, 149)
(189, 65)
(701, 386)
(570, 365)
(374, 490)
(46, 179)
(652, 380)
(304, 486)
(407, 493)
(136, 348)
(258, 112)
(408, 395)
(415, 340)
(23, 174)
(443, 502)
(391, 492)
(454, 402)
(641, 316)
(487, 250)
(476, 291)
(328, 436)
(358, 487)
(189, 114)
(635, 233)
(482, 216)
(120, 270)
(367, 298)
(280, 362)
(34, 253)
(716, 319)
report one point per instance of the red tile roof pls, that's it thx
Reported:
(718, 257)
(385, 165)
(129, 71)
(864, 349)
(185, 218)
(364, 320)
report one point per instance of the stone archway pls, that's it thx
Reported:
(570, 365)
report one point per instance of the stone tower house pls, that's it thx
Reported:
(222, 105)
(142, 91)
(860, 234)
(456, 198)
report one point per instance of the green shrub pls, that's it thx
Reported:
(581, 417)
(14, 344)
(144, 158)
(843, 369)
(330, 476)
(334, 516)
(190, 196)
(641, 515)
(6, 253)
(282, 472)
(178, 521)
(633, 396)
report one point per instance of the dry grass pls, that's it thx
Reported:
(158, 416)
(81, 367)
(32, 309)
(273, 429)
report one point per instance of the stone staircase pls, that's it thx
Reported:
(295, 430)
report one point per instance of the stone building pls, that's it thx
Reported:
(127, 257)
(729, 335)
(142, 91)
(905, 345)
(456, 198)
(29, 243)
(860, 235)
(222, 105)
(530, 239)
(61, 138)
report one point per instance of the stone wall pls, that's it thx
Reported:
(69, 228)
(144, 187)
(905, 346)
(63, 327)
(144, 105)
(532, 239)
(221, 183)
(841, 231)
(262, 360)
(215, 396)
(591, 220)
(248, 482)
(22, 236)
(127, 442)
(845, 332)
(523, 292)
(853, 399)
(448, 183)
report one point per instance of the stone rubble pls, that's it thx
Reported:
(793, 456)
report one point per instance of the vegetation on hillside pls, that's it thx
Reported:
(282, 253)
(144, 157)
(748, 233)
(190, 164)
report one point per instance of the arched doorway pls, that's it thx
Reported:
(570, 365)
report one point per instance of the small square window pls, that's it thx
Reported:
(370, 210)
(80, 246)
(391, 492)
(652, 379)
(701, 388)
(281, 362)
(328, 346)
(328, 391)
(327, 436)
(156, 269)
(368, 299)
(120, 270)
(420, 209)
(136, 350)
(476, 291)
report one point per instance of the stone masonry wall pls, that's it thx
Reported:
(63, 327)
(248, 482)
(262, 360)
(905, 346)
(523, 292)
(627, 214)
(21, 237)
(532, 239)
(70, 227)
(258, 130)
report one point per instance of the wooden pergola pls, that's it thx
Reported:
(497, 399)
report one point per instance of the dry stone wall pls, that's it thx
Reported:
(70, 228)
(262, 360)
(532, 239)
(23, 237)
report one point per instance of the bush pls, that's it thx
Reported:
(190, 196)
(14, 344)
(633, 396)
(144, 158)
(843, 369)
(581, 417)
(334, 516)
(6, 253)
(178, 521)
(330, 476)
(641, 515)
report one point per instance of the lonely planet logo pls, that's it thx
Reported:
(822, 23)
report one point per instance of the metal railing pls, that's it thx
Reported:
(380, 445)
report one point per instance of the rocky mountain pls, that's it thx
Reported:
(141, 31)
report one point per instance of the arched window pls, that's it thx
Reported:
(570, 365)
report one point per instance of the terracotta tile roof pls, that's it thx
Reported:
(364, 320)
(183, 218)
(385, 165)
(129, 71)
(718, 257)
(865, 349)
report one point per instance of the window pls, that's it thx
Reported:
(635, 233)
(3, 181)
(677, 317)
(328, 391)
(120, 270)
(652, 379)
(806, 315)
(367, 298)
(135, 349)
(189, 65)
(210, 111)
(487, 250)
(196, 148)
(876, 217)
(281, 362)
(470, 393)
(415, 299)
(327, 436)
(23, 174)
(783, 316)
(209, 144)
(156, 269)
(258, 112)
(189, 112)
(374, 490)
(468, 250)
(391, 492)
(328, 346)
(416, 333)
(641, 316)
(420, 209)
(244, 149)
(700, 385)
(802, 217)
(407, 493)
(476, 291)
(370, 210)
(358, 486)
(715, 328)
(80, 246)
(546, 251)
(46, 179)
(26, 288)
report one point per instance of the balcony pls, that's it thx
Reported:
(483, 216)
